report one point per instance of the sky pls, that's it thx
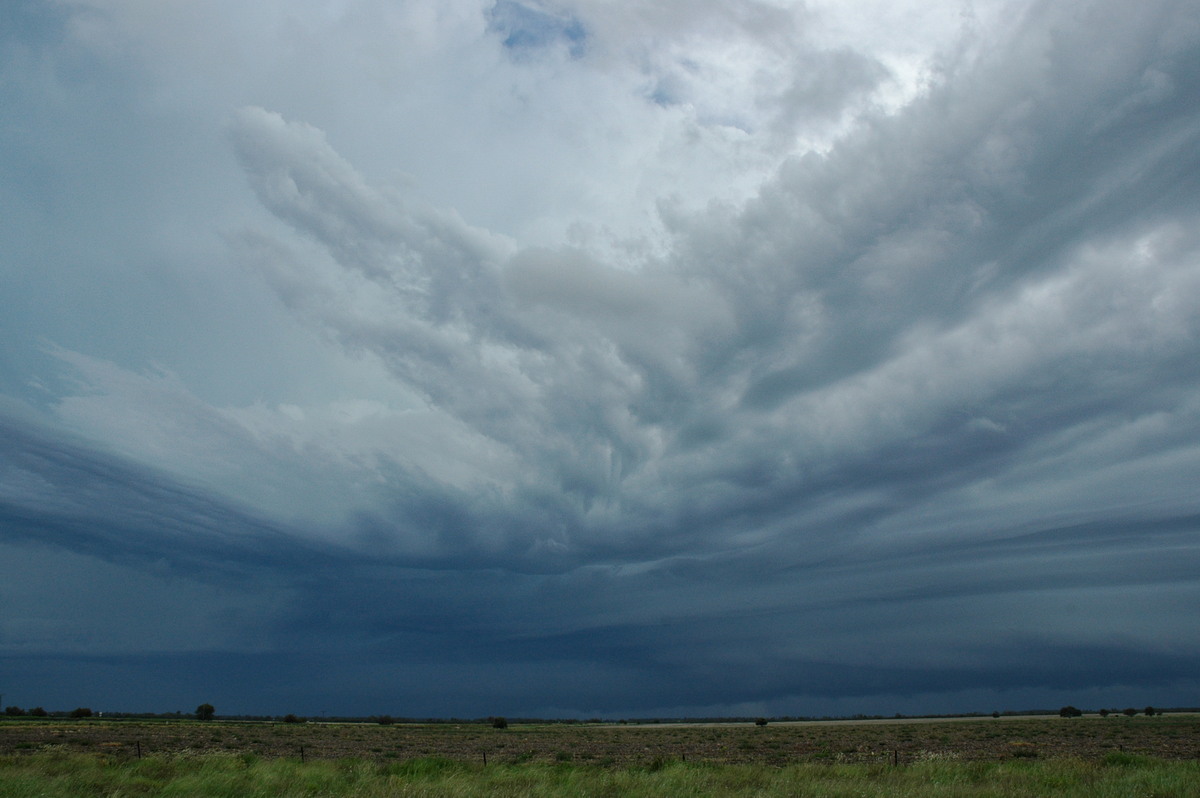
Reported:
(583, 358)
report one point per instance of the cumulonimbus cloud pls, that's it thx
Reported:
(908, 360)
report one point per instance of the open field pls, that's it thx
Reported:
(965, 759)
(982, 739)
(1116, 756)
(86, 775)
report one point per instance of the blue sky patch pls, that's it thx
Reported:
(527, 28)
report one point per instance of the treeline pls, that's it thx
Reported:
(39, 712)
(207, 712)
(1072, 712)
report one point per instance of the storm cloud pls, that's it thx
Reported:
(584, 358)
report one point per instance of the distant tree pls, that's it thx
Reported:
(1069, 712)
(1104, 713)
(290, 718)
(499, 723)
(386, 720)
(14, 711)
(995, 714)
(760, 722)
(205, 712)
(1151, 711)
(81, 712)
(38, 712)
(1130, 711)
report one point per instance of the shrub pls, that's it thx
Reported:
(1151, 711)
(81, 712)
(290, 718)
(1070, 712)
(499, 723)
(1104, 713)
(38, 712)
(15, 711)
(1022, 750)
(385, 720)
(1130, 712)
(205, 712)
(760, 722)
(1125, 759)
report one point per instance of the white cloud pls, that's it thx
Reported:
(798, 333)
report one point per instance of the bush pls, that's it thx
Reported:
(385, 720)
(38, 712)
(1022, 750)
(1104, 713)
(1130, 712)
(1151, 711)
(499, 723)
(81, 712)
(205, 712)
(290, 718)
(14, 711)
(1070, 712)
(760, 722)
(1125, 759)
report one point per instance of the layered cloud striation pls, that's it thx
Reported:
(586, 358)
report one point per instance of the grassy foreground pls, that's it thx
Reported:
(75, 775)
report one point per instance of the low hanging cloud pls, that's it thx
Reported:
(915, 420)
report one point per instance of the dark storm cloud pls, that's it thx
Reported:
(60, 491)
(915, 425)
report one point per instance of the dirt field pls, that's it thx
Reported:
(1169, 736)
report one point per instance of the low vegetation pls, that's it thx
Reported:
(79, 775)
(777, 744)
(1147, 754)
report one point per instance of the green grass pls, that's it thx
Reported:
(82, 775)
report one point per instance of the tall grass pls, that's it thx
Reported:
(82, 775)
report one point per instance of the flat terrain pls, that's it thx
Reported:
(1171, 737)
